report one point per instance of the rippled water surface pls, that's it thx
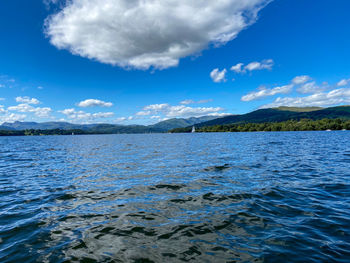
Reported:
(223, 197)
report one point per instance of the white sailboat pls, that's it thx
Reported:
(193, 129)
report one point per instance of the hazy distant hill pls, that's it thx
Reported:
(259, 116)
(6, 128)
(44, 125)
(162, 126)
(180, 123)
(282, 114)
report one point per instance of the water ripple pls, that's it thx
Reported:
(247, 197)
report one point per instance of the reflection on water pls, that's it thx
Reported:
(233, 197)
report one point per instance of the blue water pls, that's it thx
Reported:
(219, 197)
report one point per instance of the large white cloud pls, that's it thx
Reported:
(148, 33)
(43, 112)
(185, 111)
(85, 117)
(310, 87)
(264, 92)
(11, 117)
(333, 97)
(182, 111)
(27, 100)
(6, 116)
(301, 81)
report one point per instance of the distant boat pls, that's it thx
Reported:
(328, 130)
(72, 133)
(193, 129)
(344, 129)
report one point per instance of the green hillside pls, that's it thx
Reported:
(274, 115)
(291, 125)
(299, 109)
(280, 115)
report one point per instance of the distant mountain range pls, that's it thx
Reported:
(259, 116)
(162, 126)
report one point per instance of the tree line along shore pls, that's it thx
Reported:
(32, 132)
(290, 125)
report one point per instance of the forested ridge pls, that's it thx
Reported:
(290, 125)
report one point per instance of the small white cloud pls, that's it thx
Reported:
(120, 119)
(130, 118)
(265, 64)
(1, 99)
(99, 115)
(156, 107)
(218, 76)
(94, 103)
(50, 2)
(6, 78)
(343, 82)
(27, 100)
(68, 111)
(40, 87)
(187, 102)
(264, 92)
(301, 79)
(143, 113)
(204, 101)
(238, 68)
(155, 117)
(253, 66)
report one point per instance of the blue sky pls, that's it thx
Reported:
(119, 61)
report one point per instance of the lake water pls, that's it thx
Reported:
(220, 197)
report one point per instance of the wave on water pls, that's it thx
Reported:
(247, 197)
